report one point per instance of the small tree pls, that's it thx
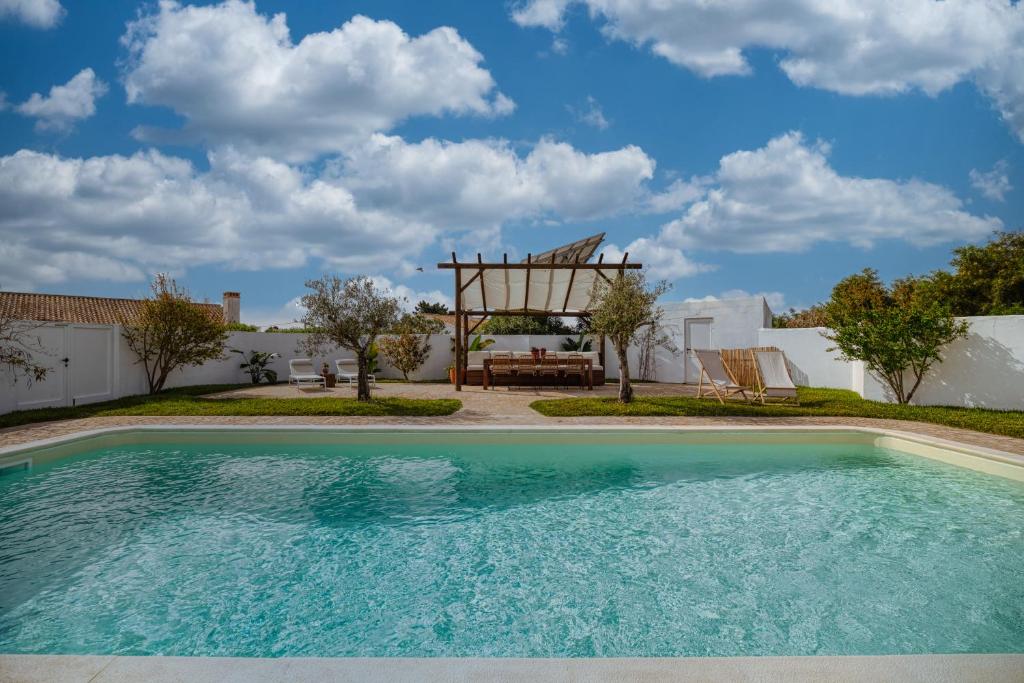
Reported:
(172, 332)
(409, 347)
(894, 331)
(622, 307)
(350, 314)
(425, 306)
(18, 350)
(521, 324)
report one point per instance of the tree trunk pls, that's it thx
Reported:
(363, 392)
(625, 386)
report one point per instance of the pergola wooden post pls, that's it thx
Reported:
(484, 311)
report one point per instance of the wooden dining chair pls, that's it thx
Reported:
(575, 366)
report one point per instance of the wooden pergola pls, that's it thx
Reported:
(558, 283)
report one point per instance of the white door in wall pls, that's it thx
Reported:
(698, 336)
(92, 363)
(52, 391)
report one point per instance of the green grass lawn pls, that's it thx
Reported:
(817, 402)
(189, 401)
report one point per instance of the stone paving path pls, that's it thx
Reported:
(494, 407)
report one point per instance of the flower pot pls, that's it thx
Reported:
(451, 375)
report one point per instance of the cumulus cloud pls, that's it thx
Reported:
(482, 183)
(286, 315)
(786, 197)
(660, 260)
(407, 296)
(868, 47)
(35, 13)
(237, 78)
(66, 104)
(116, 217)
(678, 194)
(993, 184)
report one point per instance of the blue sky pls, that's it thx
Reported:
(237, 150)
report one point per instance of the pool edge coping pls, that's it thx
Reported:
(115, 668)
(968, 453)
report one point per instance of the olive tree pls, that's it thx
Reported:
(898, 332)
(19, 349)
(172, 331)
(350, 314)
(622, 306)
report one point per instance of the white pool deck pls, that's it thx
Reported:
(909, 668)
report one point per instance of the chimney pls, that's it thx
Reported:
(232, 307)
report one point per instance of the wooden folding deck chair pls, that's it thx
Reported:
(773, 378)
(719, 379)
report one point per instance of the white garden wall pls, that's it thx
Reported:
(983, 370)
(810, 364)
(101, 367)
(986, 369)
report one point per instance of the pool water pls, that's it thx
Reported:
(561, 549)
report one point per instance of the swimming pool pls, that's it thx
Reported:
(564, 544)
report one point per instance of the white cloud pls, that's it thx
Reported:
(786, 197)
(118, 218)
(867, 47)
(478, 184)
(993, 184)
(66, 104)
(677, 195)
(559, 46)
(376, 210)
(237, 78)
(281, 316)
(592, 115)
(409, 297)
(35, 13)
(547, 13)
(660, 261)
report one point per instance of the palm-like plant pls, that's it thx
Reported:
(256, 365)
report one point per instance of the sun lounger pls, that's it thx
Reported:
(302, 372)
(720, 381)
(773, 378)
(348, 369)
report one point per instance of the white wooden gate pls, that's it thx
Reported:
(93, 368)
(52, 391)
(81, 362)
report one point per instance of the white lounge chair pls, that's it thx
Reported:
(719, 380)
(773, 378)
(348, 369)
(301, 372)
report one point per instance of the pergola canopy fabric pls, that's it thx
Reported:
(550, 290)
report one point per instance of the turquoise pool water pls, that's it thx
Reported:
(463, 549)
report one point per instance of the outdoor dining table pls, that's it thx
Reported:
(533, 367)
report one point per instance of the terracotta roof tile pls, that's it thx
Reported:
(90, 310)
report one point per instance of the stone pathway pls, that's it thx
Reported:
(494, 407)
